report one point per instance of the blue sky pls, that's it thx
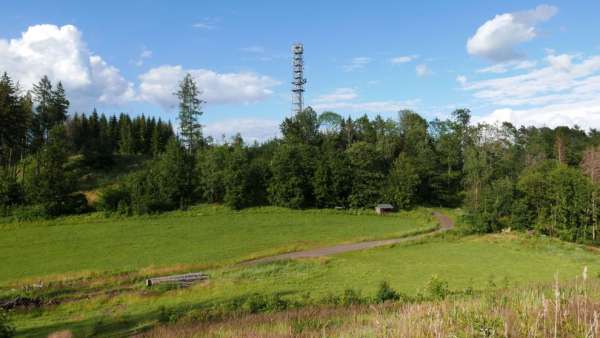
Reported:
(525, 61)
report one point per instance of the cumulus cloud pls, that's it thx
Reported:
(62, 55)
(344, 100)
(564, 91)
(357, 63)
(497, 39)
(158, 85)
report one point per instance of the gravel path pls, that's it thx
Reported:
(445, 224)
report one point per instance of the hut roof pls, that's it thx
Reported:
(385, 206)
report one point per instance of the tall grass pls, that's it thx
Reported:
(571, 309)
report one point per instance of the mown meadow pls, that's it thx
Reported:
(202, 236)
(99, 300)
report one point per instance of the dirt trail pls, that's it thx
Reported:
(445, 222)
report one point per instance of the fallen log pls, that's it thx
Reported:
(187, 278)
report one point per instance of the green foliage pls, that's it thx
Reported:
(114, 199)
(351, 297)
(367, 175)
(11, 192)
(237, 180)
(331, 121)
(47, 180)
(386, 293)
(403, 183)
(437, 288)
(292, 168)
(557, 199)
(303, 128)
(15, 120)
(332, 180)
(7, 329)
(166, 184)
(189, 112)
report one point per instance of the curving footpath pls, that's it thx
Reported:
(445, 224)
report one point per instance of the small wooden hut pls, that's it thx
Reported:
(382, 209)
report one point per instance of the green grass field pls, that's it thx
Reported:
(203, 236)
(112, 303)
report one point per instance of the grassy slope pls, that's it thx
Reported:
(203, 236)
(527, 312)
(471, 261)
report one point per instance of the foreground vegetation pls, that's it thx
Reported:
(571, 309)
(120, 304)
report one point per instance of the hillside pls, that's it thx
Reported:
(85, 297)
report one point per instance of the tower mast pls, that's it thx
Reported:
(298, 78)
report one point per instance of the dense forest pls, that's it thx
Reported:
(545, 179)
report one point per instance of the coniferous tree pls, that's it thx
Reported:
(189, 112)
(15, 119)
(47, 181)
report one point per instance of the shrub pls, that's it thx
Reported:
(386, 293)
(7, 329)
(166, 316)
(76, 204)
(257, 303)
(351, 297)
(114, 199)
(437, 288)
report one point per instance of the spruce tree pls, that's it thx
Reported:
(189, 112)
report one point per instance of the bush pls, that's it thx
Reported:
(351, 297)
(114, 199)
(386, 293)
(76, 204)
(437, 288)
(11, 192)
(257, 303)
(7, 329)
(28, 212)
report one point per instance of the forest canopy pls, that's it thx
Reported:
(523, 177)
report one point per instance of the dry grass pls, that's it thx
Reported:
(570, 310)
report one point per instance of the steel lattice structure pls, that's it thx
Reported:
(298, 78)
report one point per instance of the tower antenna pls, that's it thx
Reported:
(298, 78)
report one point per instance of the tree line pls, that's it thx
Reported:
(504, 176)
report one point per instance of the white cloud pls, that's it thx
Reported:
(344, 100)
(158, 85)
(504, 67)
(388, 106)
(564, 91)
(251, 129)
(340, 94)
(461, 79)
(402, 59)
(357, 63)
(497, 38)
(422, 70)
(62, 55)
(206, 23)
(559, 81)
(144, 55)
